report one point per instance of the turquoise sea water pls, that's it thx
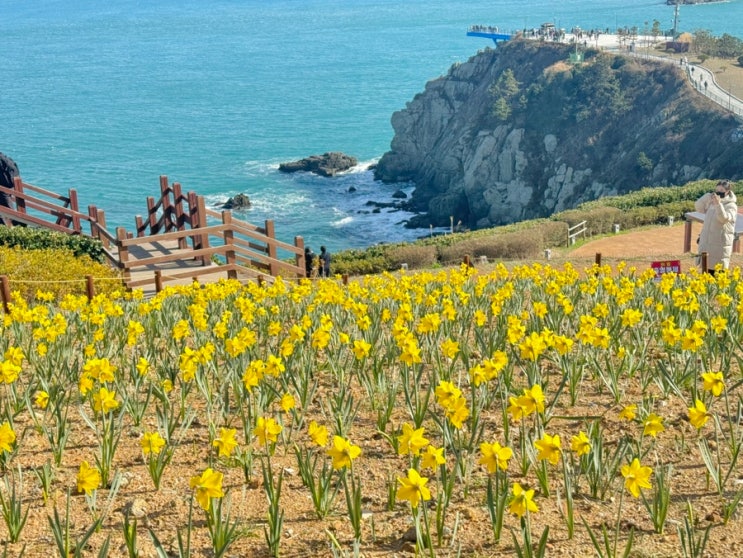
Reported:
(105, 97)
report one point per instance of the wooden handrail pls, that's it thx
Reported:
(173, 257)
(27, 219)
(42, 205)
(239, 228)
(175, 235)
(27, 186)
(195, 273)
(218, 215)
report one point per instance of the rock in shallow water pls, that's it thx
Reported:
(327, 164)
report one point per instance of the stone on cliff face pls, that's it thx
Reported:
(399, 195)
(240, 201)
(8, 171)
(327, 164)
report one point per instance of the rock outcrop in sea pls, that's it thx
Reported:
(522, 132)
(327, 164)
(240, 201)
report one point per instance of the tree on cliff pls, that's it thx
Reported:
(595, 92)
(505, 88)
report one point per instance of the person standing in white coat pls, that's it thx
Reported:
(720, 210)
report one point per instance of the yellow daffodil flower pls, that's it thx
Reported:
(88, 478)
(494, 456)
(652, 425)
(318, 434)
(208, 485)
(432, 457)
(267, 430)
(343, 452)
(713, 382)
(698, 415)
(413, 488)
(636, 477)
(225, 442)
(411, 441)
(580, 444)
(522, 501)
(152, 443)
(550, 448)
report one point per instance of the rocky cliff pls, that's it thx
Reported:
(521, 132)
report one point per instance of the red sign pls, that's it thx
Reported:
(671, 266)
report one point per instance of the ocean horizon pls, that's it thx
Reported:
(105, 98)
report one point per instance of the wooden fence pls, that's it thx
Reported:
(36, 207)
(179, 238)
(575, 231)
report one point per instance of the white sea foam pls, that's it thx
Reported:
(342, 222)
(260, 167)
(361, 166)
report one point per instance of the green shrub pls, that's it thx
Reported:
(358, 262)
(654, 197)
(31, 238)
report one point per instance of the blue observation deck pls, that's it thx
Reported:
(488, 32)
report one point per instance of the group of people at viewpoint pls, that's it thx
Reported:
(720, 209)
(322, 260)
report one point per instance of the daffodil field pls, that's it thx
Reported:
(528, 411)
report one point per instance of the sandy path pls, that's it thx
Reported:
(658, 241)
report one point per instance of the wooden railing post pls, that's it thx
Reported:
(93, 214)
(89, 287)
(703, 262)
(229, 236)
(158, 280)
(121, 235)
(300, 260)
(273, 254)
(598, 259)
(20, 203)
(74, 206)
(166, 204)
(152, 217)
(101, 218)
(200, 223)
(5, 292)
(139, 225)
(687, 236)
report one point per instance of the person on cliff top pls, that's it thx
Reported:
(720, 209)
(324, 262)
